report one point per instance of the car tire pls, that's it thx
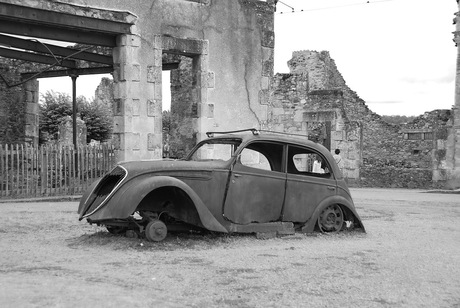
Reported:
(331, 219)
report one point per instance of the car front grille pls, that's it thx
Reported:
(103, 190)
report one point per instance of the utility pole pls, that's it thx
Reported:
(74, 116)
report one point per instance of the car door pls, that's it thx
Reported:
(309, 181)
(257, 184)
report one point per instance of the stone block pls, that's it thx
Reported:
(118, 124)
(129, 72)
(154, 74)
(118, 141)
(136, 141)
(158, 41)
(154, 141)
(128, 107)
(32, 108)
(154, 108)
(29, 97)
(204, 63)
(205, 47)
(210, 111)
(136, 107)
(337, 135)
(298, 116)
(264, 97)
(267, 53)
(116, 55)
(136, 72)
(134, 89)
(265, 83)
(157, 93)
(267, 68)
(268, 39)
(209, 80)
(157, 57)
(118, 106)
(128, 40)
(158, 125)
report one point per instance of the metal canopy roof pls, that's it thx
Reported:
(21, 26)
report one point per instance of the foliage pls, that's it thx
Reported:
(397, 119)
(98, 119)
(55, 106)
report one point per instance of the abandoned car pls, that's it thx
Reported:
(245, 181)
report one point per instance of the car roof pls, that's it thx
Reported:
(247, 135)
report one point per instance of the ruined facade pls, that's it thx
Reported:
(314, 100)
(230, 44)
(18, 105)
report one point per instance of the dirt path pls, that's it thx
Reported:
(408, 258)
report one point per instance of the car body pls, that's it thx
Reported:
(246, 181)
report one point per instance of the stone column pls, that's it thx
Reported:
(137, 99)
(31, 95)
(453, 140)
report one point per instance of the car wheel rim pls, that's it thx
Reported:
(156, 231)
(331, 219)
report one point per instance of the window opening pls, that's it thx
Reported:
(263, 155)
(305, 161)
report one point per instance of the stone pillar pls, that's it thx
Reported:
(137, 99)
(204, 81)
(65, 132)
(453, 140)
(31, 95)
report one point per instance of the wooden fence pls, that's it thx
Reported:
(51, 170)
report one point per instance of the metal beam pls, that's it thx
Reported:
(170, 66)
(56, 50)
(63, 73)
(33, 57)
(61, 19)
(57, 34)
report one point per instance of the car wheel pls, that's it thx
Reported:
(116, 229)
(331, 219)
(156, 231)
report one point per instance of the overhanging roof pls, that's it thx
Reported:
(23, 23)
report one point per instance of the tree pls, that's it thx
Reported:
(397, 119)
(98, 119)
(55, 106)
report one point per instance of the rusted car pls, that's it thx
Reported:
(246, 181)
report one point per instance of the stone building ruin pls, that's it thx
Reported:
(222, 54)
(230, 44)
(314, 100)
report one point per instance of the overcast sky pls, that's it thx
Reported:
(398, 55)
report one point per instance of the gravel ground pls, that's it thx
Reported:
(409, 257)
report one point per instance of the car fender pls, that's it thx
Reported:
(86, 195)
(310, 224)
(125, 201)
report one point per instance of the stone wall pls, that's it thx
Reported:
(314, 100)
(18, 105)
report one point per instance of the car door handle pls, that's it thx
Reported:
(331, 187)
(237, 175)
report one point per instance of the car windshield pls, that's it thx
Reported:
(221, 149)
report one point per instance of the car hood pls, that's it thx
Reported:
(138, 167)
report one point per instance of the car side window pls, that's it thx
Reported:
(254, 159)
(262, 155)
(307, 162)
